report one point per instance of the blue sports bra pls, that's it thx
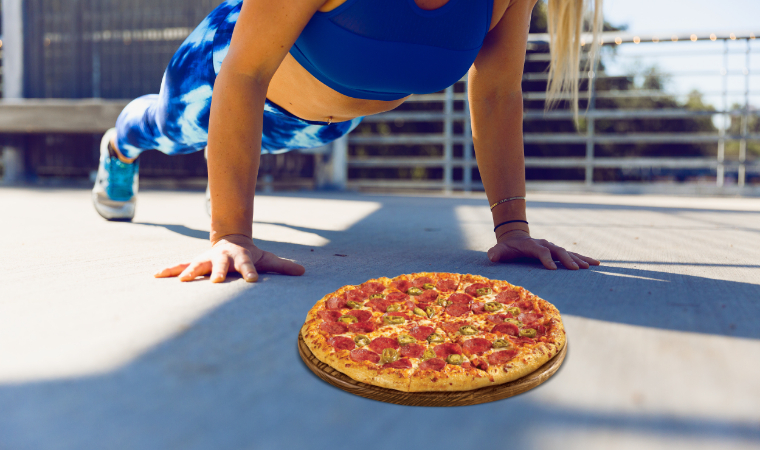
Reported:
(389, 49)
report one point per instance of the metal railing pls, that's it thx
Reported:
(449, 116)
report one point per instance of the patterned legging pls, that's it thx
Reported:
(175, 121)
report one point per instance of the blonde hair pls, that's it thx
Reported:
(566, 22)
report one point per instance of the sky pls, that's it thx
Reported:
(666, 17)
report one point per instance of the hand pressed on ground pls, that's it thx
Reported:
(233, 252)
(518, 244)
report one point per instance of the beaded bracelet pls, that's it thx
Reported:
(505, 200)
(509, 221)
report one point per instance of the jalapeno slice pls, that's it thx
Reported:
(361, 340)
(468, 330)
(353, 305)
(347, 318)
(427, 286)
(393, 308)
(515, 311)
(429, 354)
(484, 291)
(377, 296)
(501, 343)
(443, 302)
(419, 312)
(405, 339)
(528, 332)
(394, 320)
(435, 338)
(492, 306)
(430, 311)
(455, 359)
(389, 355)
(514, 321)
(414, 291)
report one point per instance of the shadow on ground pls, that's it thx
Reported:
(235, 380)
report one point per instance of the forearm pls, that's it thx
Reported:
(497, 135)
(234, 149)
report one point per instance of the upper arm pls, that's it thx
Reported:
(498, 69)
(264, 33)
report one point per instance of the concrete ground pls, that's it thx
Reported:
(664, 337)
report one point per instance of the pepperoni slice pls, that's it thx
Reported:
(478, 308)
(421, 333)
(336, 303)
(508, 296)
(451, 327)
(378, 304)
(476, 346)
(502, 357)
(396, 297)
(432, 364)
(479, 363)
(362, 327)
(523, 340)
(329, 316)
(473, 288)
(457, 309)
(373, 288)
(506, 328)
(427, 296)
(401, 285)
(333, 327)
(525, 305)
(379, 344)
(361, 315)
(540, 330)
(342, 343)
(446, 285)
(361, 354)
(460, 298)
(400, 364)
(412, 350)
(357, 295)
(497, 318)
(444, 350)
(530, 318)
(421, 281)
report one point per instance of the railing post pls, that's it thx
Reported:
(13, 80)
(339, 162)
(448, 135)
(721, 172)
(590, 124)
(742, 177)
(467, 148)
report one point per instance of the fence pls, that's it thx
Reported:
(448, 115)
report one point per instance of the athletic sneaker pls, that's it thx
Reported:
(115, 191)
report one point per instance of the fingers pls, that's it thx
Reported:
(586, 259)
(221, 265)
(497, 252)
(171, 271)
(195, 270)
(244, 266)
(272, 263)
(581, 263)
(545, 256)
(563, 256)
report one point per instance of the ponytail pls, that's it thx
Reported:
(565, 23)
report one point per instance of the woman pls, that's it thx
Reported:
(260, 76)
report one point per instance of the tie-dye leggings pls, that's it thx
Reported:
(175, 121)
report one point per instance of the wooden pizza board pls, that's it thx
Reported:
(458, 398)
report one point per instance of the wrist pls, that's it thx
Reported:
(216, 237)
(503, 235)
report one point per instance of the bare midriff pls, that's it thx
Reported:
(292, 87)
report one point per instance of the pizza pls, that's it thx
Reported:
(434, 332)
